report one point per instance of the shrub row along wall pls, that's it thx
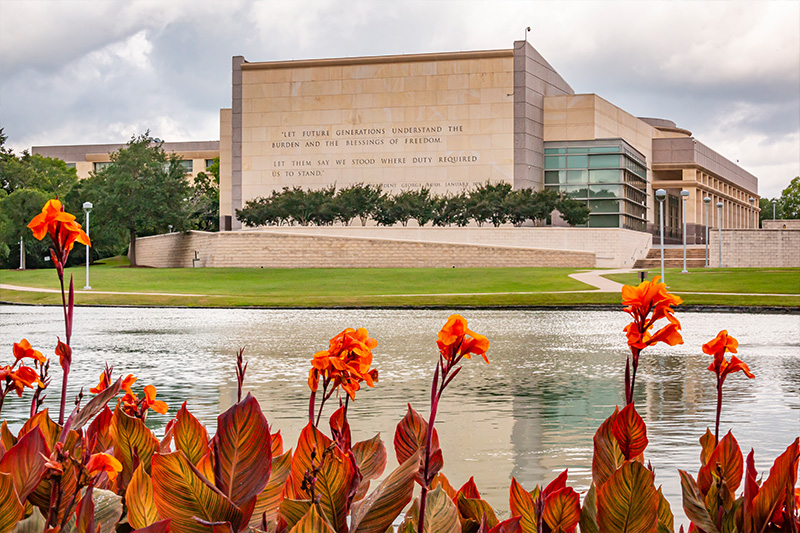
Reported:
(254, 249)
(756, 248)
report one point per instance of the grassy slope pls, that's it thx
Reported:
(747, 280)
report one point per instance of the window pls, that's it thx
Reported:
(551, 177)
(577, 161)
(187, 164)
(101, 165)
(554, 161)
(577, 176)
(604, 176)
(209, 162)
(70, 165)
(604, 161)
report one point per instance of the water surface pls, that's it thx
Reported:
(554, 377)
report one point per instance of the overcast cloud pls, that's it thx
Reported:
(94, 71)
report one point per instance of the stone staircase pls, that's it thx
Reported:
(673, 257)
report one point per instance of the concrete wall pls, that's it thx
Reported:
(613, 248)
(756, 248)
(781, 224)
(254, 249)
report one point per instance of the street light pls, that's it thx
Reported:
(87, 208)
(707, 201)
(774, 201)
(684, 197)
(752, 213)
(661, 195)
(719, 232)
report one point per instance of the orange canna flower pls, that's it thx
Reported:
(456, 340)
(20, 378)
(102, 462)
(717, 347)
(48, 220)
(24, 349)
(149, 401)
(103, 384)
(346, 362)
(648, 303)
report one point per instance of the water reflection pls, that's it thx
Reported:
(554, 376)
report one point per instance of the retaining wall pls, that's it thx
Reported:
(756, 248)
(272, 249)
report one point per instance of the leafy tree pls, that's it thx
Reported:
(486, 203)
(204, 202)
(450, 209)
(765, 204)
(142, 191)
(388, 212)
(357, 200)
(790, 200)
(575, 213)
(419, 204)
(16, 211)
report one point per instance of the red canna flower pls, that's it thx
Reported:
(64, 353)
(455, 340)
(102, 462)
(18, 379)
(717, 347)
(24, 349)
(345, 363)
(149, 401)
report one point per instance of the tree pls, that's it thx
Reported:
(573, 212)
(204, 202)
(790, 200)
(357, 200)
(142, 191)
(487, 203)
(16, 210)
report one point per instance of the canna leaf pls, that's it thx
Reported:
(245, 450)
(79, 418)
(666, 520)
(312, 522)
(440, 480)
(206, 467)
(729, 457)
(588, 520)
(33, 524)
(190, 435)
(100, 428)
(162, 526)
(84, 516)
(140, 501)
(270, 498)
(277, 444)
(750, 490)
(560, 482)
(50, 430)
(11, 510)
(628, 501)
(25, 462)
(370, 457)
(410, 436)
(469, 490)
(378, 511)
(630, 431)
(476, 510)
(707, 445)
(311, 442)
(562, 510)
(507, 526)
(131, 433)
(772, 495)
(523, 506)
(7, 439)
(169, 434)
(607, 456)
(334, 485)
(441, 515)
(107, 512)
(182, 494)
(40, 497)
(694, 506)
(292, 511)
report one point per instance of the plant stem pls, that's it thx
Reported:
(65, 370)
(719, 410)
(311, 402)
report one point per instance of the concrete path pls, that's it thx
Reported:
(595, 278)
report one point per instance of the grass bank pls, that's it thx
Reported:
(724, 280)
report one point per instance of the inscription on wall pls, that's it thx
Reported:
(323, 153)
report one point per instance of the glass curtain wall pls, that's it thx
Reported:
(609, 175)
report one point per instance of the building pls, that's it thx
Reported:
(196, 156)
(448, 121)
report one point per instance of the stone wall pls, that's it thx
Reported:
(613, 248)
(781, 224)
(272, 249)
(770, 248)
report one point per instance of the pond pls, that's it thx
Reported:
(554, 377)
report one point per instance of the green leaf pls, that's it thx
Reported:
(607, 456)
(132, 433)
(378, 511)
(441, 514)
(190, 435)
(181, 493)
(244, 451)
(270, 498)
(693, 504)
(139, 500)
(666, 520)
(628, 501)
(588, 519)
(11, 510)
(312, 522)
(522, 505)
(370, 457)
(25, 461)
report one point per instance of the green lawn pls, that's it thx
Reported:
(732, 280)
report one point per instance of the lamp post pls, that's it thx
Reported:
(661, 195)
(87, 208)
(707, 201)
(719, 232)
(752, 213)
(774, 202)
(684, 197)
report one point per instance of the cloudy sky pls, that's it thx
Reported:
(94, 71)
